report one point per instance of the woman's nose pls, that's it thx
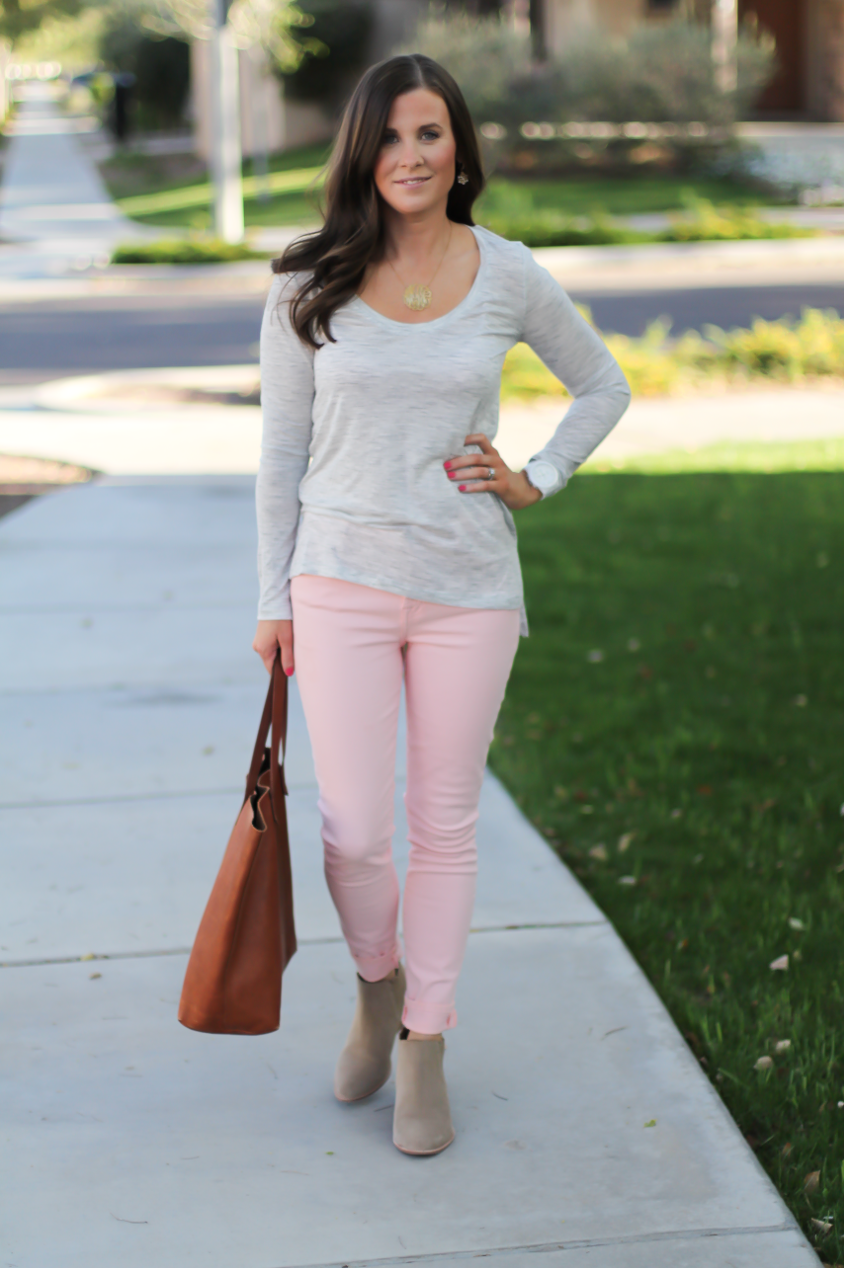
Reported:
(409, 156)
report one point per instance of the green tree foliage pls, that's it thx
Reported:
(160, 64)
(18, 17)
(338, 32)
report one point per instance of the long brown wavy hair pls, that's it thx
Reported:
(352, 235)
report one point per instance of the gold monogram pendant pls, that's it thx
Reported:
(417, 297)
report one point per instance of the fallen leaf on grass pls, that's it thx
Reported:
(821, 1227)
(800, 701)
(781, 963)
(599, 852)
(595, 656)
(627, 880)
(624, 842)
(782, 1045)
(763, 1063)
(794, 923)
(811, 1182)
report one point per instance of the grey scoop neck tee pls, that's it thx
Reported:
(351, 482)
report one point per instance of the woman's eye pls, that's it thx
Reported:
(390, 137)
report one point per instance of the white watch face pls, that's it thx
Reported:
(543, 476)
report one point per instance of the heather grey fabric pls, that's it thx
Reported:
(351, 482)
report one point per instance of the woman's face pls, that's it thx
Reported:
(415, 168)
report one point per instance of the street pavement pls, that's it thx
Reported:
(47, 338)
(587, 1133)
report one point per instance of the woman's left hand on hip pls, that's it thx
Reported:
(487, 472)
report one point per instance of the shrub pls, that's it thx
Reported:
(661, 72)
(656, 365)
(706, 223)
(485, 55)
(184, 251)
(703, 222)
(549, 229)
(785, 349)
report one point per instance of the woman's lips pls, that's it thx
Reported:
(414, 180)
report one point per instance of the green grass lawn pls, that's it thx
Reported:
(675, 727)
(174, 190)
(624, 196)
(133, 176)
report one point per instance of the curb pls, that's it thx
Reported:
(250, 277)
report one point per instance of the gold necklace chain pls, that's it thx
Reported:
(417, 296)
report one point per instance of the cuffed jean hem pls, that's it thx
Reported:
(373, 968)
(428, 1019)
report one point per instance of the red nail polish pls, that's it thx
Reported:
(447, 466)
(289, 673)
(463, 488)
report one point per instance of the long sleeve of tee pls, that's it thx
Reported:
(351, 483)
(287, 396)
(574, 352)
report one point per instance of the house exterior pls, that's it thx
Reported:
(809, 36)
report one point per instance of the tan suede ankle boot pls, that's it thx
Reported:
(364, 1064)
(422, 1116)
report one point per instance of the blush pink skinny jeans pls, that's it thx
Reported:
(353, 644)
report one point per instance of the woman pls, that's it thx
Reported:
(387, 550)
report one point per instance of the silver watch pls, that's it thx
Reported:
(543, 476)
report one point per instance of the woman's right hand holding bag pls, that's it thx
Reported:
(269, 637)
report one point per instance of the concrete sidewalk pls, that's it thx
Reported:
(55, 213)
(133, 421)
(587, 1133)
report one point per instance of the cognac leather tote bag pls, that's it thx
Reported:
(246, 936)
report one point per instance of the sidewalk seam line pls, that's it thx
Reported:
(227, 791)
(537, 1248)
(90, 957)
